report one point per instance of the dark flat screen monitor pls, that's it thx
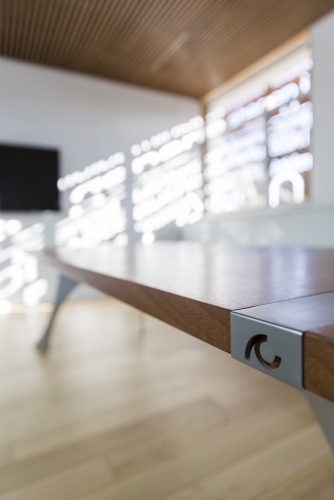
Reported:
(28, 178)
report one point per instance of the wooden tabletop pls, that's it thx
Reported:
(195, 287)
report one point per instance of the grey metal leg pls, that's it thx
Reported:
(64, 288)
(142, 323)
(324, 412)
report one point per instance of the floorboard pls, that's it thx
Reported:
(126, 407)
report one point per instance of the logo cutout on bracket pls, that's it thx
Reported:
(256, 342)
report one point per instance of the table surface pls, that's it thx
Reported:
(195, 287)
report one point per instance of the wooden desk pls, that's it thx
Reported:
(196, 287)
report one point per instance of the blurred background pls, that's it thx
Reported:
(136, 121)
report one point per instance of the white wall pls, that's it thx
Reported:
(322, 34)
(311, 224)
(306, 226)
(86, 118)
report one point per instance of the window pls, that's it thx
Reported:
(258, 139)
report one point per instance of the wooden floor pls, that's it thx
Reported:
(125, 407)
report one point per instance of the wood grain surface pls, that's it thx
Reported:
(183, 46)
(302, 314)
(117, 413)
(319, 361)
(194, 287)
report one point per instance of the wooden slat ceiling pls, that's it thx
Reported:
(183, 46)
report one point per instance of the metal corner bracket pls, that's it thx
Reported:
(269, 348)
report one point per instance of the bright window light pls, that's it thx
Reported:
(257, 148)
(168, 180)
(147, 238)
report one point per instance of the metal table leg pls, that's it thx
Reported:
(324, 412)
(64, 287)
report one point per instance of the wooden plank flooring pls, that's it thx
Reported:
(126, 407)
